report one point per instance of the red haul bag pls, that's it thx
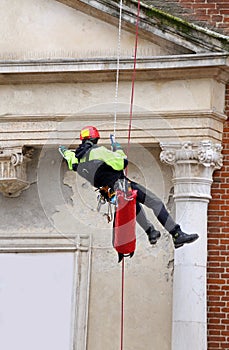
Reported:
(124, 236)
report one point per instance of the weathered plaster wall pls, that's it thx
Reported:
(51, 29)
(60, 202)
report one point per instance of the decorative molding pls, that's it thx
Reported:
(204, 153)
(193, 166)
(167, 114)
(29, 243)
(210, 155)
(53, 129)
(13, 177)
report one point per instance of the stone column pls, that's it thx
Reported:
(193, 165)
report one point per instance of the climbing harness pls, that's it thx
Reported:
(106, 196)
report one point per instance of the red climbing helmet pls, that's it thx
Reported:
(89, 132)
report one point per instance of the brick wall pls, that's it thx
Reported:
(216, 14)
(218, 252)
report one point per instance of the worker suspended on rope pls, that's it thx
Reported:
(103, 167)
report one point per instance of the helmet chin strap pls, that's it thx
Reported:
(91, 142)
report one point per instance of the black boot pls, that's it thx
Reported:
(180, 238)
(153, 235)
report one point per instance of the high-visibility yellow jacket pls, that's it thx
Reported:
(100, 166)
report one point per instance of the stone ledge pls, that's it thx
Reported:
(14, 243)
(213, 65)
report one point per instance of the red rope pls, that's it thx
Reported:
(122, 304)
(128, 146)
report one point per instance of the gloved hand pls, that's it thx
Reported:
(62, 149)
(115, 146)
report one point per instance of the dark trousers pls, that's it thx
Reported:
(150, 200)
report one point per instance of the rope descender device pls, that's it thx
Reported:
(106, 195)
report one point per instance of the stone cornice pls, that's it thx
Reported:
(214, 65)
(54, 129)
(105, 116)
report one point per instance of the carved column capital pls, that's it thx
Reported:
(193, 166)
(210, 155)
(13, 177)
(205, 153)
